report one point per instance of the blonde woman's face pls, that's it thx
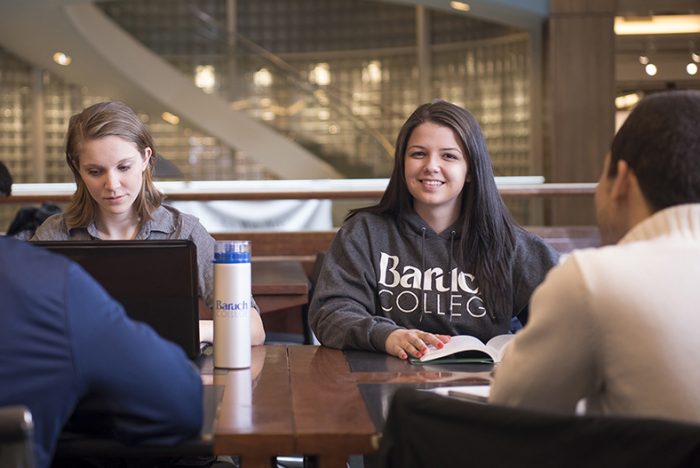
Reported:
(112, 170)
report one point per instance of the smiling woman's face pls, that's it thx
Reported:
(112, 170)
(435, 170)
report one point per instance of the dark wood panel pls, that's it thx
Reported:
(566, 239)
(282, 320)
(310, 243)
(581, 92)
(279, 278)
(557, 7)
(278, 243)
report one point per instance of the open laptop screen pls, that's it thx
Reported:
(155, 281)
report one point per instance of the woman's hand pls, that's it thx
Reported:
(257, 331)
(403, 343)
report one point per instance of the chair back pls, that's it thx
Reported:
(16, 430)
(424, 430)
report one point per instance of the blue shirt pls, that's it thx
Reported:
(64, 339)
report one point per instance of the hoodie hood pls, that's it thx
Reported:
(411, 223)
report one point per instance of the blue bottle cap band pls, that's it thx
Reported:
(231, 257)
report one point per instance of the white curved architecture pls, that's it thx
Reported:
(112, 63)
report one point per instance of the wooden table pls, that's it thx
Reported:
(307, 400)
(294, 400)
(281, 290)
(279, 284)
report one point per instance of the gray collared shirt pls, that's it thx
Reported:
(167, 223)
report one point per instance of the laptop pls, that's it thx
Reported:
(155, 281)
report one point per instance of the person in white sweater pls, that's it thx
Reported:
(618, 326)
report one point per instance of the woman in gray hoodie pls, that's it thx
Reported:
(438, 256)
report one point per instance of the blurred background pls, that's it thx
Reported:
(318, 89)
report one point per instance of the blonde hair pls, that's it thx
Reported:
(112, 118)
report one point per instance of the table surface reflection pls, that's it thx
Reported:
(316, 401)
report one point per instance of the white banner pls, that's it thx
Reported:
(275, 215)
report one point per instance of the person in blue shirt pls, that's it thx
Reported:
(64, 340)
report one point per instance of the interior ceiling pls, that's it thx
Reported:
(657, 7)
(669, 52)
(671, 43)
(524, 14)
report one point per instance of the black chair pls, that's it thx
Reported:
(29, 218)
(307, 337)
(426, 430)
(16, 429)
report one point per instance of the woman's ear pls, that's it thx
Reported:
(147, 153)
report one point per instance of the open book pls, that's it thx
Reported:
(465, 348)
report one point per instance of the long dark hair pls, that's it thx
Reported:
(488, 237)
(112, 118)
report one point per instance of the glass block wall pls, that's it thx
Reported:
(340, 78)
(15, 116)
(15, 122)
(343, 73)
(197, 155)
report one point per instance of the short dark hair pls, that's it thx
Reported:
(5, 180)
(660, 141)
(488, 232)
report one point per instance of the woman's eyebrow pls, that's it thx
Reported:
(121, 161)
(441, 149)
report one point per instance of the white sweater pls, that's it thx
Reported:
(618, 326)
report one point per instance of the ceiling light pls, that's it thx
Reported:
(262, 78)
(205, 78)
(62, 58)
(650, 69)
(461, 6)
(372, 73)
(643, 59)
(320, 74)
(691, 68)
(172, 119)
(662, 24)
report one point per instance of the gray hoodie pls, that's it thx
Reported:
(380, 275)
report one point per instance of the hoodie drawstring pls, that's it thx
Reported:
(449, 262)
(422, 260)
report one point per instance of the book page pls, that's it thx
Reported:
(458, 344)
(498, 345)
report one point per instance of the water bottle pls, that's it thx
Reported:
(232, 303)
